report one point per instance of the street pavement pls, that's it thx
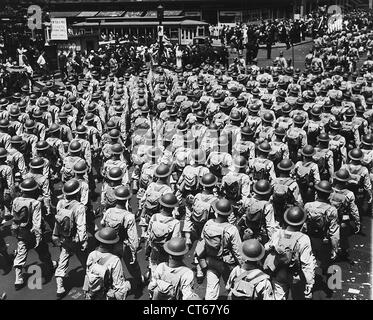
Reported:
(356, 272)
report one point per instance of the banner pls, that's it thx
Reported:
(59, 29)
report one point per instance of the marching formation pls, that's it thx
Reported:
(262, 174)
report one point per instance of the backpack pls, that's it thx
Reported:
(114, 219)
(347, 132)
(68, 167)
(214, 239)
(65, 221)
(316, 221)
(276, 154)
(169, 130)
(160, 233)
(294, 143)
(242, 148)
(313, 131)
(245, 284)
(339, 200)
(282, 195)
(254, 217)
(320, 160)
(21, 214)
(260, 170)
(146, 177)
(168, 286)
(233, 188)
(53, 151)
(303, 175)
(201, 209)
(356, 182)
(98, 276)
(335, 147)
(191, 178)
(152, 199)
(110, 199)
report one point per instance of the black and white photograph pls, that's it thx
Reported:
(194, 151)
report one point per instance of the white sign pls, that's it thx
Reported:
(34, 19)
(296, 16)
(59, 29)
(160, 31)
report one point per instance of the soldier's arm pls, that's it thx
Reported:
(269, 216)
(84, 195)
(353, 209)
(22, 166)
(236, 243)
(246, 185)
(265, 290)
(308, 261)
(316, 173)
(330, 163)
(119, 285)
(367, 182)
(61, 151)
(36, 221)
(133, 238)
(186, 286)
(10, 180)
(286, 151)
(176, 233)
(333, 229)
(272, 173)
(81, 225)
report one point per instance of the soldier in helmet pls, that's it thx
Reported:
(16, 158)
(306, 173)
(279, 149)
(244, 145)
(285, 190)
(296, 138)
(174, 273)
(218, 259)
(4, 136)
(104, 255)
(149, 202)
(250, 275)
(123, 222)
(324, 157)
(266, 130)
(70, 231)
(74, 156)
(116, 160)
(284, 269)
(6, 185)
(57, 148)
(28, 228)
(220, 159)
(360, 183)
(261, 167)
(162, 227)
(322, 224)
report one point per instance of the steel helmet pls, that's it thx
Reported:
(54, 128)
(323, 137)
(262, 187)
(16, 140)
(222, 207)
(4, 123)
(342, 175)
(316, 111)
(355, 154)
(116, 148)
(324, 186)
(122, 193)
(75, 147)
(299, 120)
(268, 117)
(107, 235)
(176, 247)
(115, 174)
(162, 171)
(114, 134)
(335, 125)
(200, 115)
(247, 131)
(42, 145)
(71, 187)
(29, 185)
(295, 216)
(4, 102)
(37, 163)
(235, 116)
(209, 180)
(367, 139)
(264, 147)
(110, 125)
(285, 165)
(252, 250)
(254, 108)
(279, 131)
(168, 200)
(182, 126)
(308, 151)
(29, 124)
(81, 130)
(3, 153)
(80, 167)
(240, 162)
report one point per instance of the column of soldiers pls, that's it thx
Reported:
(262, 175)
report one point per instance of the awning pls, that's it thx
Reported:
(172, 13)
(64, 14)
(84, 14)
(140, 23)
(130, 14)
(110, 14)
(151, 14)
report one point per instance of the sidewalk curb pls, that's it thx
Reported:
(279, 46)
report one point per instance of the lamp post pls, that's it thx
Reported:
(160, 13)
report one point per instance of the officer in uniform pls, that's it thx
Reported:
(250, 271)
(6, 185)
(28, 227)
(261, 167)
(218, 260)
(118, 288)
(74, 239)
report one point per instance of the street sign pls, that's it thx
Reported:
(59, 29)
(34, 20)
(160, 31)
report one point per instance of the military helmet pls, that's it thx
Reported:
(308, 151)
(37, 163)
(367, 139)
(252, 250)
(162, 171)
(247, 131)
(264, 147)
(176, 247)
(355, 154)
(342, 175)
(16, 140)
(235, 116)
(262, 187)
(295, 216)
(42, 145)
(316, 111)
(75, 147)
(335, 125)
(115, 174)
(222, 207)
(117, 148)
(286, 108)
(114, 134)
(279, 131)
(285, 165)
(81, 130)
(268, 117)
(240, 162)
(107, 235)
(71, 187)
(299, 120)
(324, 186)
(208, 180)
(168, 200)
(122, 193)
(3, 153)
(29, 185)
(80, 167)
(323, 137)
(54, 128)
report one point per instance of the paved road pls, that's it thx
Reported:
(356, 273)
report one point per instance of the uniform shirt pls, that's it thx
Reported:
(332, 223)
(186, 281)
(152, 187)
(306, 258)
(263, 161)
(362, 172)
(174, 228)
(112, 163)
(118, 285)
(232, 241)
(313, 170)
(35, 211)
(43, 183)
(7, 174)
(86, 151)
(5, 140)
(351, 207)
(79, 216)
(243, 178)
(293, 186)
(57, 144)
(112, 215)
(16, 161)
(263, 289)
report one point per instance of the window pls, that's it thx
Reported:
(174, 33)
(254, 15)
(230, 16)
